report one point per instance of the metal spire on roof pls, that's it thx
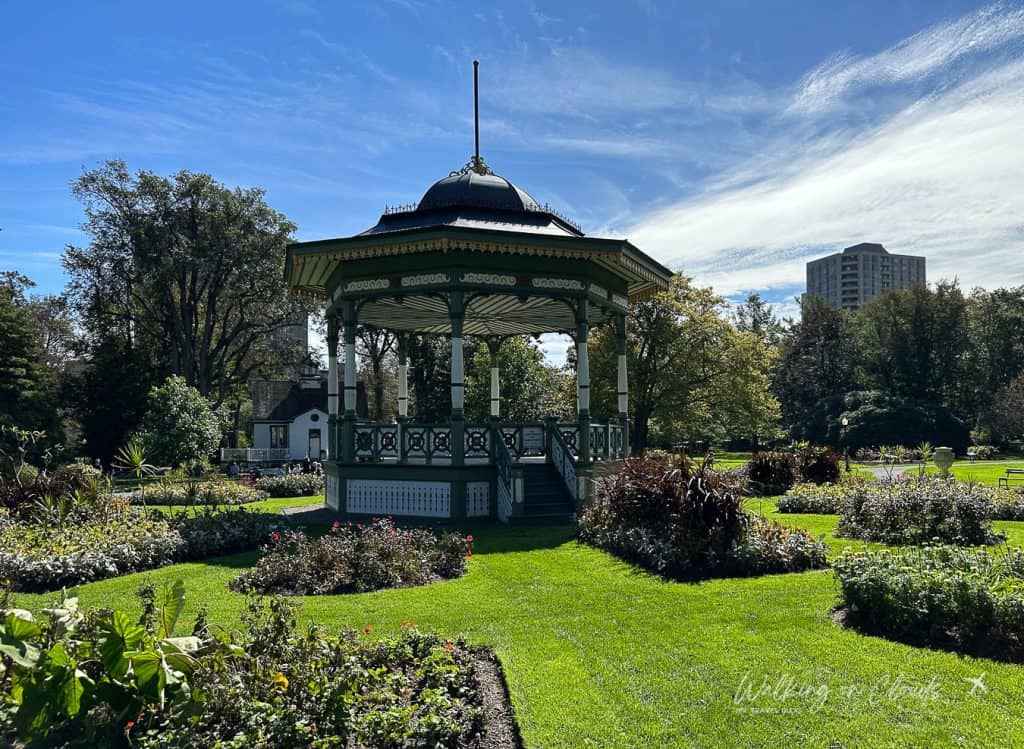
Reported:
(476, 163)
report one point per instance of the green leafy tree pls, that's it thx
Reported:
(914, 344)
(185, 270)
(996, 353)
(756, 317)
(27, 393)
(430, 378)
(180, 426)
(815, 370)
(1005, 416)
(527, 386)
(690, 370)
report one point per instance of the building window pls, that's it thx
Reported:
(278, 435)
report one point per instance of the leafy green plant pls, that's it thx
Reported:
(106, 679)
(916, 510)
(292, 485)
(206, 492)
(971, 600)
(819, 465)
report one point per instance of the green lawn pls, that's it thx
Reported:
(266, 505)
(982, 471)
(598, 654)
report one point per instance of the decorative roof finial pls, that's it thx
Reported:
(476, 161)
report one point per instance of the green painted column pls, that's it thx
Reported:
(348, 426)
(623, 382)
(583, 379)
(332, 385)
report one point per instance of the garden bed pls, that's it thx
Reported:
(43, 555)
(292, 485)
(355, 559)
(685, 521)
(272, 686)
(189, 493)
(968, 600)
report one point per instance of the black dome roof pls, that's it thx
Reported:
(473, 190)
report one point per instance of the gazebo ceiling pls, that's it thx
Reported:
(486, 314)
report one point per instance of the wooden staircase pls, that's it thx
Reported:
(546, 499)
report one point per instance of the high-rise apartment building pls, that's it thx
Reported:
(849, 278)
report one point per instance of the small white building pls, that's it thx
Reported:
(293, 415)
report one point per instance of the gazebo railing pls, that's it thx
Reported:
(505, 481)
(428, 443)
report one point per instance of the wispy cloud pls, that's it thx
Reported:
(944, 176)
(930, 51)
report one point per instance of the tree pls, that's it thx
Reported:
(180, 426)
(995, 321)
(1006, 413)
(430, 378)
(914, 344)
(690, 370)
(27, 396)
(756, 317)
(526, 384)
(184, 269)
(374, 346)
(815, 370)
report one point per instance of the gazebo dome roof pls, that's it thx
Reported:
(468, 189)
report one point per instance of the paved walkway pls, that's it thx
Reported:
(881, 472)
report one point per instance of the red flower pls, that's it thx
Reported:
(336, 526)
(469, 554)
(275, 537)
(367, 629)
(129, 725)
(470, 538)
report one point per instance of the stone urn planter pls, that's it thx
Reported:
(943, 459)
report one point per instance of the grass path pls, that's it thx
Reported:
(598, 654)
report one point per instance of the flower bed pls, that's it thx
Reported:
(917, 511)
(769, 474)
(292, 485)
(194, 493)
(942, 596)
(273, 686)
(356, 558)
(685, 521)
(42, 556)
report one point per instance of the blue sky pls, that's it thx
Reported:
(731, 140)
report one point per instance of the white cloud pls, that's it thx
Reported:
(943, 177)
(932, 50)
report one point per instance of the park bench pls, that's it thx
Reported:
(1012, 474)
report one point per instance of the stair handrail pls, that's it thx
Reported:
(503, 462)
(561, 456)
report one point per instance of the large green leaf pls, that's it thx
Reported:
(14, 636)
(150, 673)
(172, 603)
(121, 635)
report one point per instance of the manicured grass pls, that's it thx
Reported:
(984, 472)
(266, 505)
(599, 654)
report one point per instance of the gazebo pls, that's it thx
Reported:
(477, 256)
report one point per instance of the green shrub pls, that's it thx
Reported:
(682, 520)
(45, 556)
(356, 558)
(194, 493)
(917, 510)
(984, 452)
(292, 485)
(811, 498)
(942, 596)
(108, 680)
(769, 474)
(819, 465)
(180, 427)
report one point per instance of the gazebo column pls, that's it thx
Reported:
(348, 426)
(583, 379)
(332, 386)
(623, 383)
(403, 392)
(458, 378)
(494, 347)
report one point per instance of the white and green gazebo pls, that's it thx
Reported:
(477, 256)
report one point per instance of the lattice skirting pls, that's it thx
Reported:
(429, 499)
(478, 499)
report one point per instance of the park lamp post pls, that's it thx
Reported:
(846, 446)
